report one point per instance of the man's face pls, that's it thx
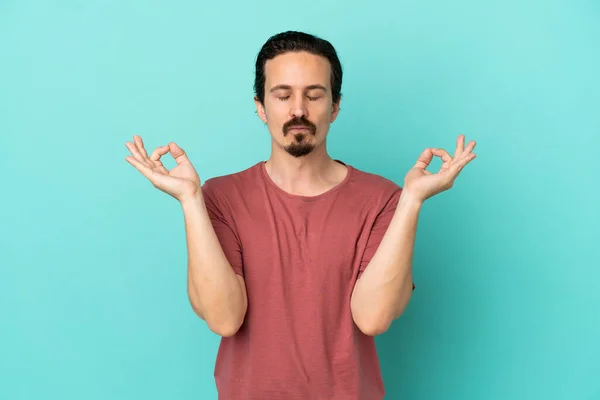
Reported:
(298, 105)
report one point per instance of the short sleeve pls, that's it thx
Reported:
(224, 228)
(378, 230)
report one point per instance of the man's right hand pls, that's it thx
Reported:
(180, 182)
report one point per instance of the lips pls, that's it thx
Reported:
(299, 126)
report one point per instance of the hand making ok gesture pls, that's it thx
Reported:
(423, 184)
(180, 182)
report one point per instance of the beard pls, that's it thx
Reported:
(301, 146)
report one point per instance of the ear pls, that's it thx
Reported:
(335, 110)
(260, 110)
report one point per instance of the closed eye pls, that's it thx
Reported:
(284, 98)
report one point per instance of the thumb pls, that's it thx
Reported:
(424, 159)
(177, 153)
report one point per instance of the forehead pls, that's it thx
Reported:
(297, 69)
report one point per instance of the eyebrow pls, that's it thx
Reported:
(288, 87)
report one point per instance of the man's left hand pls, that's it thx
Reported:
(422, 184)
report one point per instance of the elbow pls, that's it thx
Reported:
(375, 319)
(217, 321)
(224, 325)
(373, 323)
(374, 328)
(225, 328)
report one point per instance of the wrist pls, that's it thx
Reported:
(192, 199)
(410, 200)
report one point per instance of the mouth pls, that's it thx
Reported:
(298, 128)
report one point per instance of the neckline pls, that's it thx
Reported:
(327, 193)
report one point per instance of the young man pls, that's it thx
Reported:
(299, 261)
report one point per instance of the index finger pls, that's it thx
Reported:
(442, 153)
(159, 152)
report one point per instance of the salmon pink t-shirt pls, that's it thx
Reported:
(300, 258)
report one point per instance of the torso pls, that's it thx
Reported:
(300, 258)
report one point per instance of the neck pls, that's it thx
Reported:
(308, 175)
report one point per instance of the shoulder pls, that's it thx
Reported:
(224, 183)
(380, 189)
(222, 187)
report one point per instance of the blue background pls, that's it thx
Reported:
(93, 301)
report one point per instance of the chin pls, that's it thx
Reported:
(299, 150)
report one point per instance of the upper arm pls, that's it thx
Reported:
(225, 229)
(379, 228)
(228, 236)
(242, 283)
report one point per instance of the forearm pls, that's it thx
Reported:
(384, 289)
(216, 293)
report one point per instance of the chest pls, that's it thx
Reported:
(316, 244)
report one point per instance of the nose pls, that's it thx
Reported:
(298, 108)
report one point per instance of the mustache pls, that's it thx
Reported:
(299, 122)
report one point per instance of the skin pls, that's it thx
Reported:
(298, 88)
